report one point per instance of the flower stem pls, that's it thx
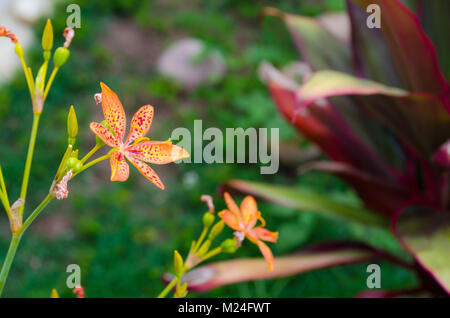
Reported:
(26, 173)
(90, 153)
(168, 288)
(50, 81)
(35, 213)
(16, 239)
(93, 162)
(8, 260)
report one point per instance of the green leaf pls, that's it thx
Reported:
(426, 233)
(303, 200)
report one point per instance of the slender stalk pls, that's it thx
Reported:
(50, 81)
(168, 288)
(16, 239)
(91, 163)
(90, 153)
(27, 75)
(212, 253)
(8, 260)
(200, 239)
(35, 213)
(26, 173)
(4, 194)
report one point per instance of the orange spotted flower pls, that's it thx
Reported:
(137, 148)
(244, 220)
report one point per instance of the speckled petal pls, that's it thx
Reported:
(104, 134)
(147, 172)
(119, 167)
(113, 111)
(140, 124)
(230, 219)
(249, 211)
(267, 253)
(158, 152)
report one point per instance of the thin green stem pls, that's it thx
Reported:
(91, 163)
(26, 173)
(27, 75)
(16, 239)
(8, 260)
(200, 239)
(90, 153)
(35, 213)
(62, 164)
(168, 288)
(212, 253)
(4, 194)
(50, 81)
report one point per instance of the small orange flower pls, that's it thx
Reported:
(244, 220)
(136, 148)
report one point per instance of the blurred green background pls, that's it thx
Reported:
(123, 234)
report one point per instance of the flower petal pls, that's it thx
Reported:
(147, 172)
(119, 167)
(249, 210)
(140, 124)
(158, 152)
(104, 134)
(267, 253)
(230, 219)
(265, 235)
(232, 205)
(113, 111)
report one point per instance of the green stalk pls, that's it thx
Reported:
(93, 162)
(168, 288)
(16, 239)
(8, 260)
(90, 153)
(26, 173)
(50, 81)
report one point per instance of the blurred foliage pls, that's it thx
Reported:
(123, 234)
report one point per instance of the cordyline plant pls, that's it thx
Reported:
(378, 107)
(136, 148)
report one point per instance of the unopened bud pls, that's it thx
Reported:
(47, 37)
(181, 291)
(40, 78)
(72, 125)
(229, 246)
(216, 230)
(204, 248)
(178, 263)
(208, 219)
(19, 50)
(61, 56)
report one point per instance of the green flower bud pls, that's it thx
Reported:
(19, 50)
(178, 263)
(72, 125)
(78, 166)
(208, 219)
(71, 162)
(229, 246)
(216, 230)
(40, 78)
(181, 290)
(47, 37)
(204, 248)
(61, 56)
